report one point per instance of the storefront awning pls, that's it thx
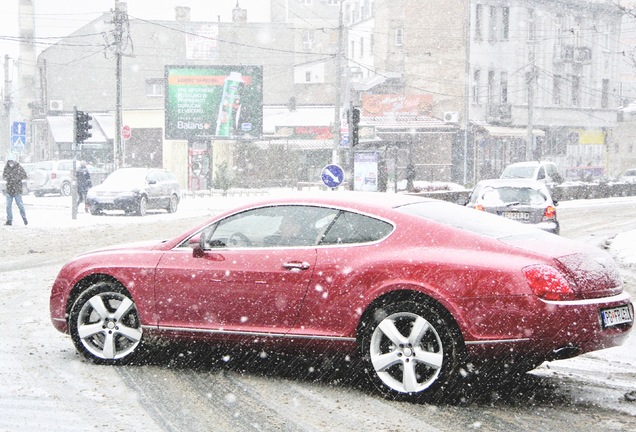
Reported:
(511, 132)
(61, 128)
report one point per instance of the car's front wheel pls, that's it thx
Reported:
(142, 206)
(104, 324)
(412, 350)
(95, 209)
(65, 189)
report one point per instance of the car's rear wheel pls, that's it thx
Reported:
(104, 324)
(142, 206)
(411, 349)
(173, 204)
(65, 189)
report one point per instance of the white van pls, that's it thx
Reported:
(542, 171)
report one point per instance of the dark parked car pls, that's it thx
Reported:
(414, 290)
(523, 200)
(135, 190)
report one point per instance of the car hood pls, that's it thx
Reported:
(591, 271)
(118, 189)
(128, 247)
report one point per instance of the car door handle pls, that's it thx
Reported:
(296, 265)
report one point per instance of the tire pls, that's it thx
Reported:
(411, 350)
(95, 209)
(142, 206)
(105, 326)
(173, 204)
(65, 189)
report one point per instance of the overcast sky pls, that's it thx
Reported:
(56, 18)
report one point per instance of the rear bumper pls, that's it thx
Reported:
(557, 330)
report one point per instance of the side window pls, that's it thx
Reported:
(278, 226)
(355, 228)
(541, 173)
(152, 177)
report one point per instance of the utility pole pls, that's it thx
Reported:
(119, 17)
(5, 140)
(531, 76)
(338, 85)
(467, 97)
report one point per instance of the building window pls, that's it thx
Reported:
(491, 87)
(478, 13)
(333, 2)
(503, 87)
(308, 76)
(307, 2)
(556, 90)
(576, 90)
(154, 87)
(308, 39)
(399, 36)
(605, 94)
(361, 47)
(352, 49)
(505, 24)
(476, 78)
(492, 24)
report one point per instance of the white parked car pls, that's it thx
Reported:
(629, 176)
(543, 171)
(53, 177)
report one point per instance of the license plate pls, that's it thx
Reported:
(616, 316)
(517, 215)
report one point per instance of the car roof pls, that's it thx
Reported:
(360, 201)
(531, 163)
(512, 182)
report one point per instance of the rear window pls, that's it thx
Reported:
(519, 172)
(467, 219)
(505, 195)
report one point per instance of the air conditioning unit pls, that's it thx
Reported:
(451, 117)
(56, 105)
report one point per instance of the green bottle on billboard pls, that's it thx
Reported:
(230, 105)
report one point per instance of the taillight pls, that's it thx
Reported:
(480, 207)
(548, 283)
(53, 175)
(550, 213)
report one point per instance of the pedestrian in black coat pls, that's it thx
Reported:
(13, 174)
(84, 183)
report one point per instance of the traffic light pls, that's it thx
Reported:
(355, 120)
(82, 126)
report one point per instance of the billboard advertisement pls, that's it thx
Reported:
(217, 101)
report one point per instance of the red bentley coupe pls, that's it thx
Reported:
(415, 289)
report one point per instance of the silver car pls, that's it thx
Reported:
(135, 190)
(526, 201)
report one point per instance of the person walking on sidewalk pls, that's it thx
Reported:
(13, 174)
(84, 183)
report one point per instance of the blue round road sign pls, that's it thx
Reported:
(332, 175)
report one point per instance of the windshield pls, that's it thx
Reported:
(125, 178)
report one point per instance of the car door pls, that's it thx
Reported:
(236, 283)
(153, 189)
